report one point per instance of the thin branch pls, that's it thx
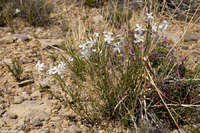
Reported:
(159, 93)
(178, 105)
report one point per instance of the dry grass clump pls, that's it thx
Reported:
(6, 13)
(35, 12)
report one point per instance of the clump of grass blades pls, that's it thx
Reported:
(16, 69)
(131, 81)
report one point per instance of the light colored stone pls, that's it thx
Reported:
(37, 122)
(21, 131)
(36, 95)
(2, 123)
(191, 37)
(22, 37)
(18, 99)
(73, 129)
(12, 115)
(7, 40)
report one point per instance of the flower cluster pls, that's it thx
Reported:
(57, 69)
(139, 30)
(162, 26)
(89, 46)
(139, 34)
(53, 70)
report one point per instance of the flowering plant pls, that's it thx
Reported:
(125, 76)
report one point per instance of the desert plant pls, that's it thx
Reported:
(36, 12)
(129, 77)
(6, 13)
(16, 69)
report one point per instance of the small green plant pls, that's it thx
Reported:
(16, 69)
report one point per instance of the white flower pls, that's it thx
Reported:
(57, 69)
(139, 28)
(108, 37)
(88, 44)
(154, 27)
(70, 59)
(117, 47)
(96, 34)
(138, 38)
(85, 53)
(163, 26)
(83, 46)
(94, 50)
(149, 15)
(39, 66)
(52, 70)
(61, 66)
(17, 11)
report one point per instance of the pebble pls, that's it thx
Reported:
(21, 36)
(45, 130)
(21, 131)
(12, 115)
(190, 37)
(7, 40)
(73, 129)
(18, 99)
(2, 123)
(2, 111)
(37, 122)
(36, 95)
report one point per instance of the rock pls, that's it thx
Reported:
(31, 109)
(50, 96)
(36, 95)
(45, 130)
(21, 36)
(25, 96)
(7, 40)
(22, 127)
(172, 37)
(2, 123)
(37, 122)
(191, 37)
(57, 107)
(36, 117)
(73, 129)
(18, 99)
(12, 115)
(21, 131)
(2, 111)
(185, 47)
